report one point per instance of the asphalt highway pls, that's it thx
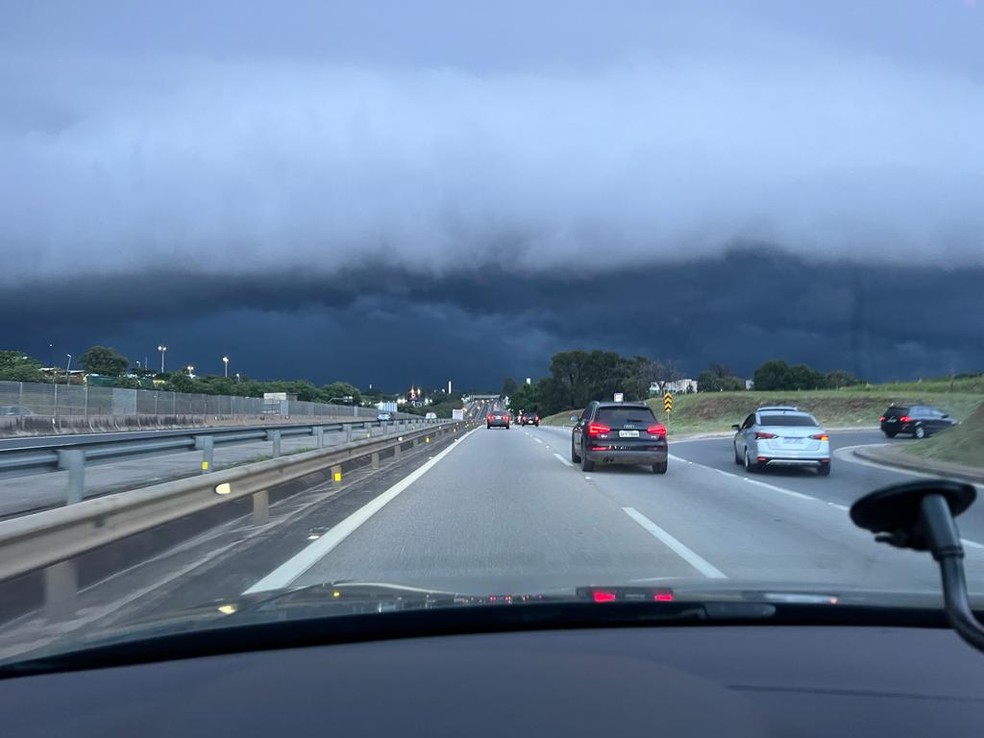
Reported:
(506, 511)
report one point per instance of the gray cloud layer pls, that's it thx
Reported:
(241, 164)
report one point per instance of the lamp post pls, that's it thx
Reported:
(162, 349)
(225, 361)
(68, 367)
(190, 370)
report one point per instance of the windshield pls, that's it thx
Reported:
(484, 299)
(794, 420)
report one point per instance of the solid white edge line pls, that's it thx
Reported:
(291, 569)
(562, 460)
(695, 560)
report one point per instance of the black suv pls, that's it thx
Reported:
(919, 420)
(619, 433)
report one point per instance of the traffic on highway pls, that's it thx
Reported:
(441, 368)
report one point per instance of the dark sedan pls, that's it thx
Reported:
(916, 420)
(497, 419)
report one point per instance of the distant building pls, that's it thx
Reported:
(677, 386)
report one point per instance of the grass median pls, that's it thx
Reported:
(714, 412)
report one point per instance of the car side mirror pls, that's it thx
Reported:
(735, 426)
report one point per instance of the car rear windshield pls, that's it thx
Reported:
(799, 420)
(616, 416)
(896, 410)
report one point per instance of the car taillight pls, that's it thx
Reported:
(820, 437)
(759, 435)
(598, 429)
(881, 419)
(905, 419)
(490, 418)
(656, 430)
(602, 596)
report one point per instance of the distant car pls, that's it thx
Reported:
(384, 417)
(782, 436)
(918, 420)
(497, 419)
(619, 433)
(15, 410)
(529, 419)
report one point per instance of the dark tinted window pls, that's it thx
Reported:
(798, 420)
(896, 411)
(616, 416)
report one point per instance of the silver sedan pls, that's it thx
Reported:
(782, 436)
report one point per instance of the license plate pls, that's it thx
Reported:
(628, 434)
(793, 441)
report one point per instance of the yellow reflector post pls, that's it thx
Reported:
(337, 477)
(204, 466)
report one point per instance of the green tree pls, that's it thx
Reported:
(803, 377)
(341, 392)
(509, 387)
(104, 360)
(525, 397)
(840, 378)
(16, 366)
(774, 374)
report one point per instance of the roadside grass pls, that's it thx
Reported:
(961, 445)
(712, 412)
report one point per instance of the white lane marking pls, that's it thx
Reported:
(536, 439)
(781, 490)
(971, 544)
(291, 569)
(691, 557)
(562, 460)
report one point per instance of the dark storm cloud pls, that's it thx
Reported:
(288, 178)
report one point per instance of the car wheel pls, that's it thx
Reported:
(823, 470)
(889, 434)
(489, 426)
(507, 426)
(660, 468)
(586, 464)
(574, 457)
(737, 456)
(919, 432)
(749, 466)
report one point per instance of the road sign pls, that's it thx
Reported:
(619, 397)
(668, 402)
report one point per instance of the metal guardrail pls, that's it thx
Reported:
(72, 454)
(49, 540)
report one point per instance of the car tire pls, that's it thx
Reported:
(489, 426)
(738, 460)
(889, 434)
(586, 464)
(823, 470)
(574, 457)
(660, 468)
(749, 465)
(919, 432)
(507, 426)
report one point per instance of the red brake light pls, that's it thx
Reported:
(905, 419)
(656, 430)
(762, 434)
(601, 596)
(598, 429)
(882, 419)
(820, 437)
(663, 597)
(490, 418)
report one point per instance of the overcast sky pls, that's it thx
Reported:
(410, 192)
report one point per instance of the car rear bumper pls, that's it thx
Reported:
(627, 456)
(498, 424)
(795, 462)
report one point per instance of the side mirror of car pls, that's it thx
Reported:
(735, 426)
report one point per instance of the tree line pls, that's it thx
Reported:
(577, 377)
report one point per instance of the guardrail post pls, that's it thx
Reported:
(397, 450)
(348, 432)
(336, 474)
(375, 460)
(319, 433)
(73, 461)
(207, 444)
(274, 435)
(60, 590)
(261, 507)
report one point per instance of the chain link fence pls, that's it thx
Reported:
(26, 399)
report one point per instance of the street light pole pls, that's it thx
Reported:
(162, 349)
(68, 367)
(190, 370)
(225, 360)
